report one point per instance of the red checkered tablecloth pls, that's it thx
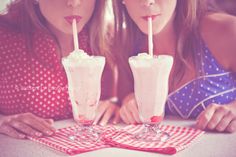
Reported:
(180, 138)
(61, 142)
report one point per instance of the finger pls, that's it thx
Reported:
(108, 114)
(129, 116)
(40, 125)
(216, 118)
(205, 116)
(49, 121)
(116, 118)
(8, 130)
(45, 129)
(232, 126)
(24, 128)
(46, 122)
(100, 111)
(135, 113)
(225, 122)
(133, 107)
(123, 116)
(30, 118)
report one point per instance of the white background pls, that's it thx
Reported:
(3, 4)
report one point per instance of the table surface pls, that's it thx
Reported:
(208, 145)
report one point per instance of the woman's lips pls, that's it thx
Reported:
(70, 18)
(152, 16)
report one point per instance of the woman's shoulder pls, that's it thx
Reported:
(7, 36)
(4, 31)
(218, 24)
(218, 30)
(16, 42)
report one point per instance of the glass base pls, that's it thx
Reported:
(152, 133)
(85, 134)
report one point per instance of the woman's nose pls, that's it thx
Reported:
(148, 2)
(73, 3)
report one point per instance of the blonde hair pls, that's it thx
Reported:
(188, 14)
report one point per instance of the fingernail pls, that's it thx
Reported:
(114, 122)
(38, 134)
(51, 120)
(102, 124)
(49, 132)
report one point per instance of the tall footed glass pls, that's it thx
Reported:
(84, 84)
(151, 76)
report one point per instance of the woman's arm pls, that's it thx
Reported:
(219, 33)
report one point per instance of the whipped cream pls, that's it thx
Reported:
(141, 60)
(76, 57)
(144, 56)
(77, 54)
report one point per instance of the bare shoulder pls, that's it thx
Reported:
(218, 30)
(218, 24)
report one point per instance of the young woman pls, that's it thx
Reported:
(203, 81)
(34, 36)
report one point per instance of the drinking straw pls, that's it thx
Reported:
(150, 37)
(75, 35)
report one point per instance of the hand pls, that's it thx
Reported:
(21, 125)
(107, 111)
(220, 118)
(129, 110)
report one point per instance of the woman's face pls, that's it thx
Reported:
(161, 11)
(60, 13)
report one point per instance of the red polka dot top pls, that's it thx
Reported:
(36, 82)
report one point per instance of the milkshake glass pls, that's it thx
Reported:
(84, 74)
(151, 75)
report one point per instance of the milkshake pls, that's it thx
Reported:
(151, 74)
(84, 74)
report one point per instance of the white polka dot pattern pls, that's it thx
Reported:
(214, 85)
(34, 82)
